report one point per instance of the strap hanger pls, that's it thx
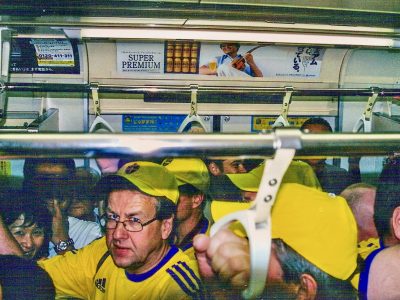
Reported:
(363, 124)
(282, 120)
(257, 219)
(192, 116)
(99, 124)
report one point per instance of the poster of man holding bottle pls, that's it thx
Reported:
(259, 60)
(226, 59)
(231, 63)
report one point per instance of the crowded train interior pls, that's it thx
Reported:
(237, 114)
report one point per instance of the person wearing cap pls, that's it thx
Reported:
(314, 247)
(225, 65)
(232, 186)
(193, 182)
(135, 259)
(218, 167)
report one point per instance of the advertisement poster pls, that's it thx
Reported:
(53, 52)
(140, 58)
(259, 123)
(235, 60)
(45, 56)
(219, 60)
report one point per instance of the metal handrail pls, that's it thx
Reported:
(85, 145)
(110, 88)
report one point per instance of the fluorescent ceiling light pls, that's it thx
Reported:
(290, 26)
(239, 35)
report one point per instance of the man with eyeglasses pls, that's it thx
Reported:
(135, 260)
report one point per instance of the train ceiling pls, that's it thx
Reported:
(368, 17)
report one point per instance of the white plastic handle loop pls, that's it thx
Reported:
(364, 123)
(99, 124)
(282, 120)
(257, 220)
(192, 116)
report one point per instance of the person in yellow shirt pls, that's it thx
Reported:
(135, 259)
(230, 186)
(313, 253)
(193, 183)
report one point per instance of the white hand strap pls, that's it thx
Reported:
(364, 123)
(257, 220)
(192, 116)
(282, 120)
(99, 124)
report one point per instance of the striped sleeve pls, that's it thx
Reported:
(187, 280)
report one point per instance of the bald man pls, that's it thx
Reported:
(361, 199)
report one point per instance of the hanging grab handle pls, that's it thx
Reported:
(282, 120)
(257, 220)
(99, 124)
(364, 123)
(192, 116)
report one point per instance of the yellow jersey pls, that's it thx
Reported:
(186, 245)
(79, 274)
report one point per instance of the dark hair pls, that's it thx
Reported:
(15, 203)
(387, 198)
(293, 265)
(31, 165)
(317, 121)
(190, 191)
(23, 279)
(236, 44)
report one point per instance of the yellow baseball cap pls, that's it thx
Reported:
(298, 172)
(189, 171)
(150, 178)
(317, 225)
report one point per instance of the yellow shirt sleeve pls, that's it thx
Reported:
(72, 273)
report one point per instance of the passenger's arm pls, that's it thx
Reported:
(223, 258)
(8, 245)
(60, 227)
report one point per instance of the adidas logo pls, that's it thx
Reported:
(100, 283)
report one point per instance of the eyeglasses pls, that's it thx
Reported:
(132, 225)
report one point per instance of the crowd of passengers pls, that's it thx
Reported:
(140, 230)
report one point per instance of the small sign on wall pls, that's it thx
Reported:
(259, 123)
(151, 123)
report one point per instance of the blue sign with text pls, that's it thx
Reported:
(151, 123)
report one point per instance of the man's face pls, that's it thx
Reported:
(233, 166)
(184, 208)
(136, 252)
(316, 128)
(230, 49)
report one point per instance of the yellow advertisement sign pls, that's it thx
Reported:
(265, 123)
